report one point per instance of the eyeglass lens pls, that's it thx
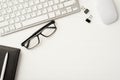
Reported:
(32, 42)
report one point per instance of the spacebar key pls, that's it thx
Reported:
(35, 20)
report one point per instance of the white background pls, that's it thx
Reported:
(77, 51)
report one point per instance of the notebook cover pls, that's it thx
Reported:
(11, 63)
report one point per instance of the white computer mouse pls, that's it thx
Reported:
(108, 11)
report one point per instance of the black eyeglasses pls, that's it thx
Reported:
(46, 31)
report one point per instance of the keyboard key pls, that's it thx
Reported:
(69, 9)
(62, 0)
(25, 5)
(42, 0)
(33, 14)
(4, 12)
(17, 13)
(20, 7)
(6, 29)
(36, 1)
(29, 10)
(64, 12)
(71, 2)
(1, 19)
(45, 4)
(55, 7)
(10, 3)
(4, 5)
(39, 12)
(5, 23)
(23, 11)
(50, 3)
(14, 8)
(22, 18)
(21, 1)
(75, 8)
(39, 6)
(28, 16)
(3, 0)
(0, 6)
(44, 11)
(60, 5)
(56, 1)
(7, 17)
(57, 13)
(34, 8)
(11, 21)
(15, 2)
(51, 14)
(16, 19)
(1, 31)
(49, 9)
(12, 15)
(18, 25)
(31, 3)
(12, 27)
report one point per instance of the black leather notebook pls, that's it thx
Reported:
(11, 63)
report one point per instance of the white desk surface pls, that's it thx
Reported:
(77, 51)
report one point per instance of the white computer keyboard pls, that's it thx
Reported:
(17, 15)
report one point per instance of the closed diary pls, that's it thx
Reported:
(11, 62)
